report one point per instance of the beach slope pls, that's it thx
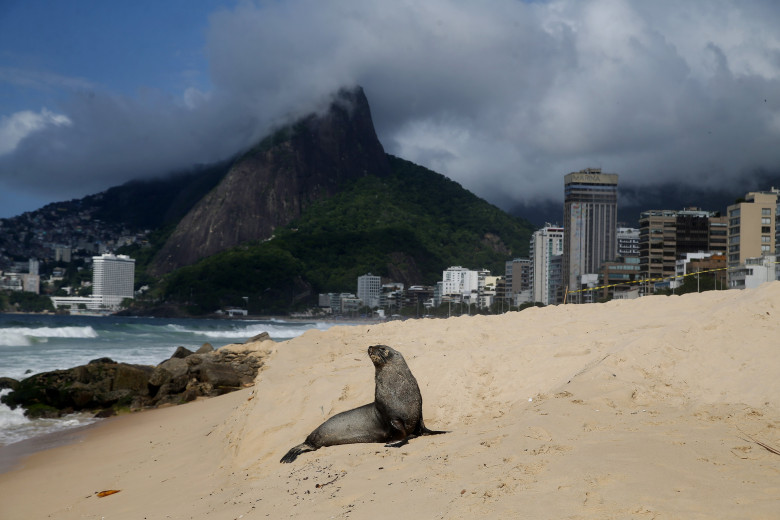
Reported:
(662, 407)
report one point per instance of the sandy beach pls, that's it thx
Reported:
(662, 407)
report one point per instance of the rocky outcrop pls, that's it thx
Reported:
(274, 182)
(104, 385)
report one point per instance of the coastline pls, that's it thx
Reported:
(661, 407)
(12, 455)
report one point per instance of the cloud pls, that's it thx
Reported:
(17, 126)
(504, 97)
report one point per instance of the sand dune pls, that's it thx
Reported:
(662, 407)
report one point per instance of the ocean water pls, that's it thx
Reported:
(30, 344)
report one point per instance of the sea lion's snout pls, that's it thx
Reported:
(378, 354)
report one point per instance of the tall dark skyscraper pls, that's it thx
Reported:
(590, 223)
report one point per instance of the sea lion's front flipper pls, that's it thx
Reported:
(399, 425)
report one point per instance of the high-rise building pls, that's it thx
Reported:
(657, 243)
(666, 235)
(546, 245)
(590, 221)
(751, 232)
(369, 288)
(113, 277)
(517, 276)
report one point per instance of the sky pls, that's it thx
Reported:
(504, 97)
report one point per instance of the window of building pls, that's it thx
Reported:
(734, 213)
(766, 238)
(765, 229)
(766, 221)
(764, 248)
(766, 211)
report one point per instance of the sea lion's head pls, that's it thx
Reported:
(382, 354)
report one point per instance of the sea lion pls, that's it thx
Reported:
(394, 417)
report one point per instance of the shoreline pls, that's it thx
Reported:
(14, 454)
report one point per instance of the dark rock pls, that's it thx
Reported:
(131, 377)
(205, 349)
(42, 411)
(7, 382)
(263, 336)
(219, 374)
(103, 360)
(100, 386)
(169, 377)
(182, 353)
(107, 412)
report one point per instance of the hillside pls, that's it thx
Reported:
(408, 226)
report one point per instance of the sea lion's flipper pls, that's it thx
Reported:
(398, 425)
(297, 450)
(422, 430)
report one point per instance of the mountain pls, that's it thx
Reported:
(407, 226)
(317, 204)
(278, 179)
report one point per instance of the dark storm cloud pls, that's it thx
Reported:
(504, 97)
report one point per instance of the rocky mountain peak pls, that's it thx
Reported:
(277, 179)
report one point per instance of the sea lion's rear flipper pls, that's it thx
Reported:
(297, 450)
(422, 430)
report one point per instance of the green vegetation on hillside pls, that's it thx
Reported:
(409, 226)
(22, 301)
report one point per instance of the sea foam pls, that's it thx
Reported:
(25, 336)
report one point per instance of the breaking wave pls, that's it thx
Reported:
(24, 336)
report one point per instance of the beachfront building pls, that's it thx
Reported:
(751, 231)
(460, 284)
(754, 272)
(619, 279)
(516, 285)
(590, 223)
(712, 264)
(369, 288)
(667, 235)
(546, 246)
(113, 277)
(627, 242)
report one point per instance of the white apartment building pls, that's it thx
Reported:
(754, 272)
(369, 289)
(464, 284)
(627, 241)
(113, 277)
(460, 280)
(546, 245)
